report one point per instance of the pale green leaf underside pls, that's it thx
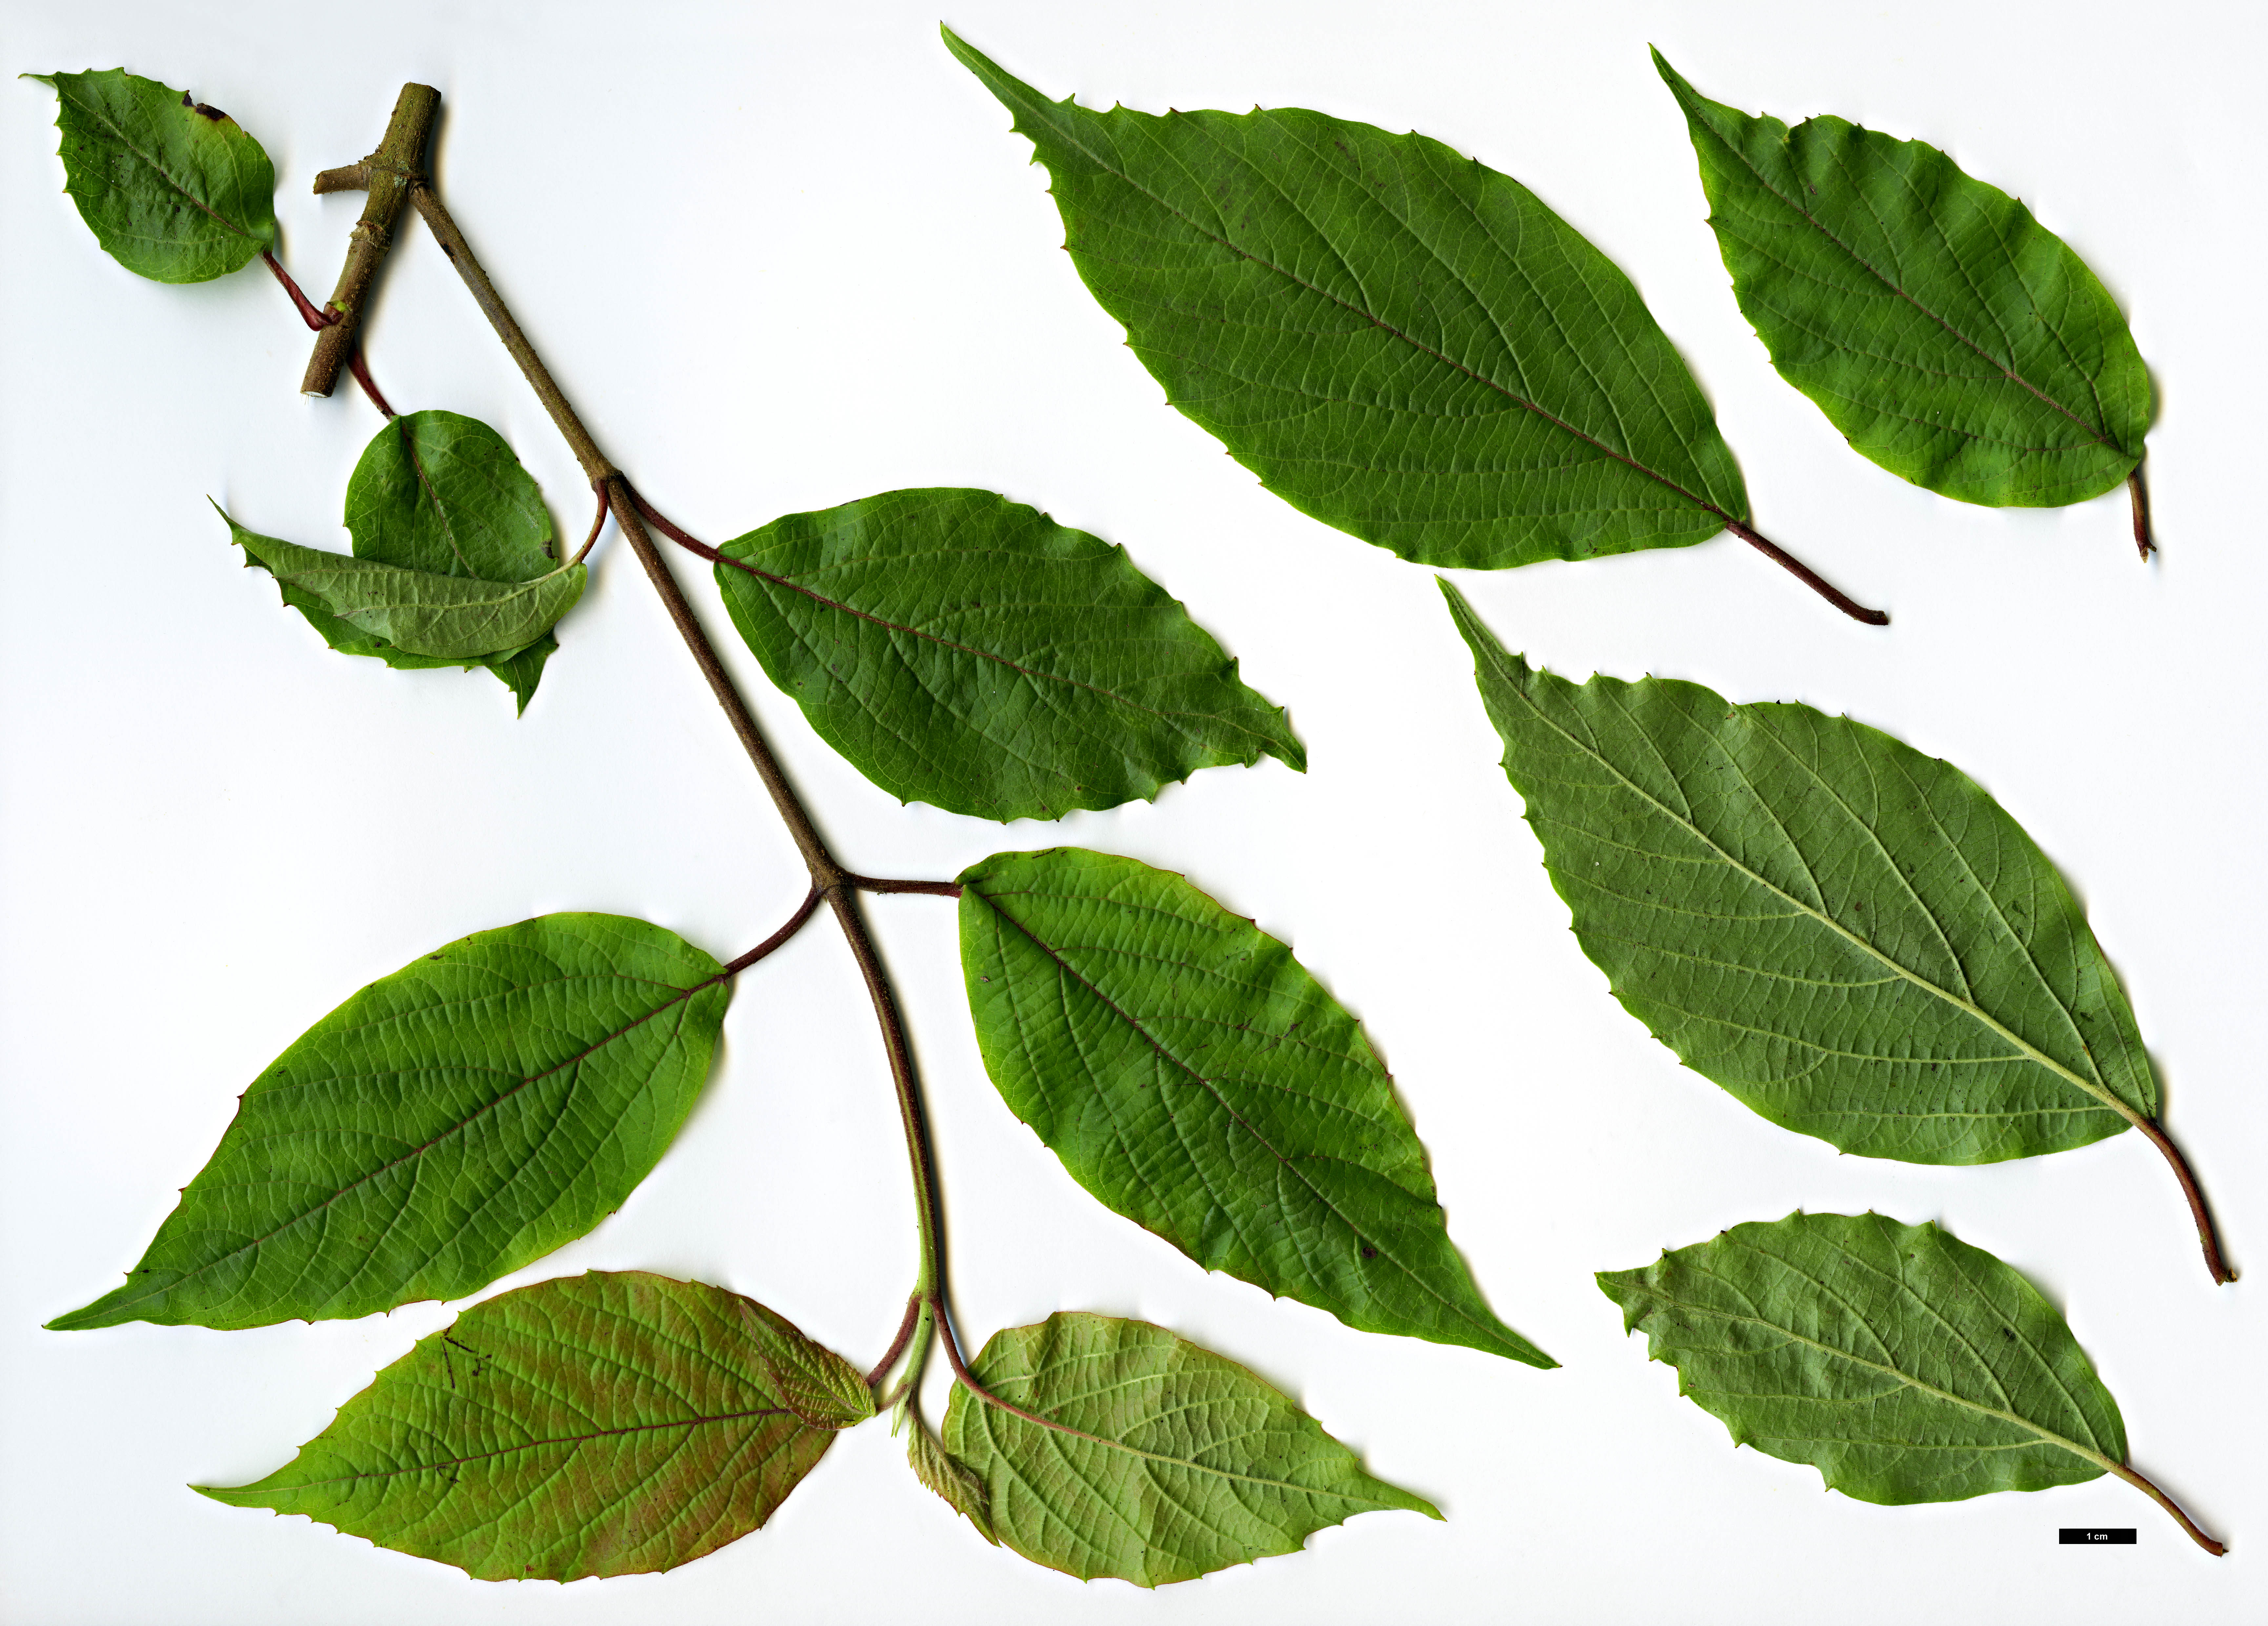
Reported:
(1851, 937)
(1194, 1077)
(446, 1125)
(601, 1425)
(1902, 1364)
(968, 651)
(1398, 341)
(175, 192)
(1948, 335)
(1184, 1463)
(450, 618)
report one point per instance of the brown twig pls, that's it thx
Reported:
(390, 174)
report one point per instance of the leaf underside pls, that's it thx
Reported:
(1398, 341)
(1948, 335)
(611, 1423)
(1190, 1463)
(446, 1126)
(1851, 937)
(1902, 1364)
(454, 563)
(1194, 1078)
(968, 651)
(173, 191)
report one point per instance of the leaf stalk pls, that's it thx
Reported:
(1808, 576)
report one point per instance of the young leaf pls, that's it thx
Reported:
(968, 651)
(611, 1423)
(1948, 335)
(440, 492)
(455, 619)
(448, 1124)
(1902, 1364)
(1398, 341)
(1852, 938)
(174, 189)
(960, 1489)
(1166, 1461)
(1192, 1075)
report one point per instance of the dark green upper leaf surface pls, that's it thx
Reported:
(968, 651)
(1183, 1463)
(1851, 937)
(448, 1124)
(1192, 1075)
(1951, 337)
(1397, 340)
(453, 619)
(601, 1425)
(175, 191)
(1902, 1364)
(442, 493)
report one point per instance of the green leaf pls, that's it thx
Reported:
(174, 189)
(1397, 340)
(1192, 1075)
(442, 493)
(447, 1125)
(968, 651)
(961, 1489)
(455, 619)
(1902, 1364)
(1949, 336)
(612, 1424)
(1851, 937)
(1168, 1461)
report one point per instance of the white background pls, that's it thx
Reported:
(786, 255)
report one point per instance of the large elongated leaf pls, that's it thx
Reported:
(968, 651)
(1951, 337)
(174, 189)
(1192, 1075)
(456, 619)
(1170, 1462)
(1397, 340)
(1851, 937)
(602, 1425)
(1902, 1364)
(448, 1124)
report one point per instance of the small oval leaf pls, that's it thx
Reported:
(968, 651)
(446, 1126)
(443, 493)
(613, 1424)
(174, 189)
(1952, 338)
(1398, 340)
(1192, 1075)
(1169, 1462)
(1902, 1364)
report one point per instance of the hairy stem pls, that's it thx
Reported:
(2207, 1237)
(1808, 576)
(390, 174)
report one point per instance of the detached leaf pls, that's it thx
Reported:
(1902, 1364)
(1947, 334)
(446, 1126)
(1192, 1075)
(1398, 341)
(1180, 1463)
(968, 651)
(612, 1424)
(454, 618)
(1852, 938)
(174, 190)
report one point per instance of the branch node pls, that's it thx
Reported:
(389, 174)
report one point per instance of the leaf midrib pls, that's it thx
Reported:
(1389, 328)
(89, 108)
(417, 1151)
(1291, 1167)
(2024, 1049)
